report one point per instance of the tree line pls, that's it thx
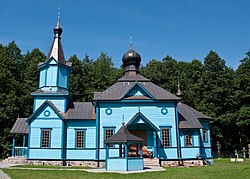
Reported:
(210, 86)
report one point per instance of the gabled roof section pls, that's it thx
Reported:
(133, 78)
(123, 136)
(20, 126)
(189, 117)
(80, 111)
(42, 92)
(117, 90)
(50, 104)
(140, 116)
(137, 90)
(48, 61)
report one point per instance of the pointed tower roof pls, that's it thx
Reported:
(56, 50)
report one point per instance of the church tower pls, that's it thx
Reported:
(54, 75)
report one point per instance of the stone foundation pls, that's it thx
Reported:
(185, 163)
(44, 162)
(85, 163)
(24, 161)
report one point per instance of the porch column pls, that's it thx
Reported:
(155, 150)
(13, 145)
(120, 150)
(107, 155)
(24, 138)
(126, 151)
(137, 150)
(141, 150)
(107, 151)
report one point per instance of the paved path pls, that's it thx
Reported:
(5, 165)
(102, 170)
(4, 175)
(94, 170)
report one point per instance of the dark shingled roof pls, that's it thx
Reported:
(39, 91)
(189, 117)
(136, 77)
(117, 90)
(81, 110)
(20, 126)
(123, 136)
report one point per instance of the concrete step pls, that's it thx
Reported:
(15, 160)
(148, 162)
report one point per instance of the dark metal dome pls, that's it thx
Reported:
(131, 57)
(58, 29)
(179, 94)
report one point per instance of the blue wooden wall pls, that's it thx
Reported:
(151, 110)
(88, 153)
(39, 122)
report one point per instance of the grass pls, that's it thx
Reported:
(221, 169)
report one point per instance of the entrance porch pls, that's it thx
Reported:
(142, 127)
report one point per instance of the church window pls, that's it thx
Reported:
(188, 141)
(165, 137)
(45, 142)
(204, 135)
(80, 138)
(108, 132)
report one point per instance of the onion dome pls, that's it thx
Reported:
(58, 29)
(179, 93)
(131, 59)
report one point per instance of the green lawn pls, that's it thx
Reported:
(221, 169)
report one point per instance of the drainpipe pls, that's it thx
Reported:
(177, 134)
(64, 142)
(97, 107)
(23, 144)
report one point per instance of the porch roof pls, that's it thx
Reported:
(20, 126)
(144, 119)
(123, 136)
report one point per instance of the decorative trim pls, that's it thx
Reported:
(164, 111)
(46, 113)
(108, 111)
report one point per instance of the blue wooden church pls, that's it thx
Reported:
(155, 124)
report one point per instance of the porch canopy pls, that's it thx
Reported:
(20, 127)
(123, 137)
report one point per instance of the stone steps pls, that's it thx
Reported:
(148, 162)
(15, 160)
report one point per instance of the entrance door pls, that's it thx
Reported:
(140, 133)
(143, 135)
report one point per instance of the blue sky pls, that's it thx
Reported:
(183, 29)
